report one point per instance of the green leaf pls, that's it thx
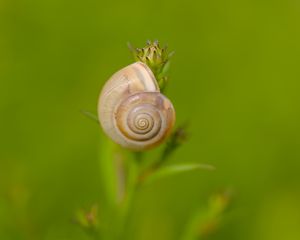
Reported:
(176, 169)
(90, 115)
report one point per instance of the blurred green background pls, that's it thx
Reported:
(234, 77)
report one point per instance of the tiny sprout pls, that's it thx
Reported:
(88, 220)
(217, 206)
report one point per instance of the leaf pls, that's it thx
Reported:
(176, 169)
(90, 115)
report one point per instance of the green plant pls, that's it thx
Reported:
(125, 172)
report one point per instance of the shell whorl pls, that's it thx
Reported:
(132, 111)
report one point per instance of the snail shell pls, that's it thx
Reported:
(132, 111)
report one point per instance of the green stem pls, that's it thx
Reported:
(131, 189)
(109, 179)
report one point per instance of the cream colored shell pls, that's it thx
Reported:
(132, 111)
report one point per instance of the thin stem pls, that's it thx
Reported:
(131, 189)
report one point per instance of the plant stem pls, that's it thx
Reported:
(133, 172)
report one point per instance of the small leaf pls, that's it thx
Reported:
(165, 69)
(90, 115)
(130, 47)
(175, 169)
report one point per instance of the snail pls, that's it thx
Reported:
(132, 111)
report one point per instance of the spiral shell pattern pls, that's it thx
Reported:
(145, 119)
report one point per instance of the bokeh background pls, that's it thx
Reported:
(234, 78)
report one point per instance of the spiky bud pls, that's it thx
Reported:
(156, 57)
